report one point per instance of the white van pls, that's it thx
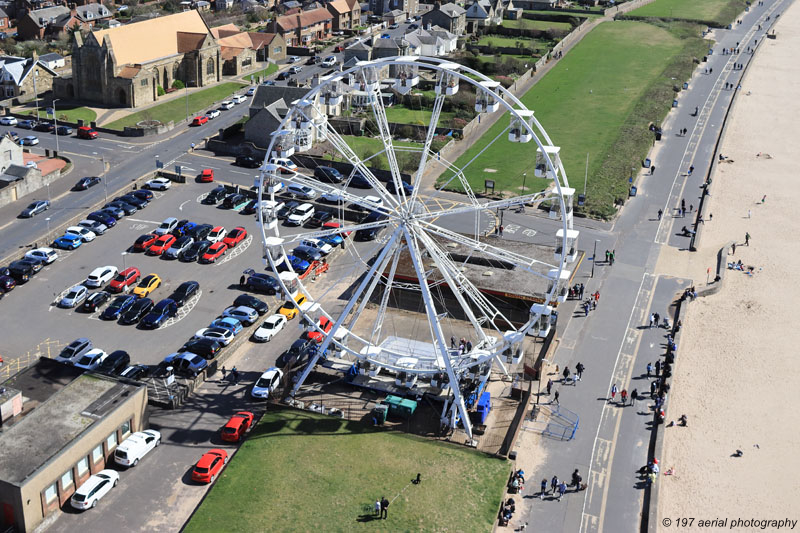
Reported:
(136, 446)
(286, 166)
(167, 226)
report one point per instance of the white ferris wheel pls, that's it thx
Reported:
(405, 238)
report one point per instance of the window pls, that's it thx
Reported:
(97, 453)
(125, 428)
(50, 494)
(247, 62)
(111, 441)
(83, 466)
(66, 480)
(144, 82)
(210, 66)
(277, 49)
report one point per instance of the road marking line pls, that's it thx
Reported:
(145, 221)
(180, 207)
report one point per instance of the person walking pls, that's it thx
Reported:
(733, 249)
(555, 398)
(469, 346)
(501, 230)
(652, 319)
(634, 396)
(649, 369)
(452, 342)
(747, 239)
(608, 256)
(660, 212)
(653, 388)
(562, 488)
(613, 392)
(658, 367)
(377, 507)
(566, 374)
(544, 489)
(597, 293)
(384, 508)
(691, 169)
(657, 318)
(585, 308)
(579, 368)
(235, 376)
(242, 280)
(624, 396)
(554, 484)
(580, 291)
(576, 480)
(549, 386)
(652, 169)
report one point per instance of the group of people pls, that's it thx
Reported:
(382, 507)
(591, 303)
(464, 346)
(507, 512)
(517, 482)
(611, 256)
(576, 292)
(559, 486)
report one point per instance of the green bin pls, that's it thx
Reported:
(400, 406)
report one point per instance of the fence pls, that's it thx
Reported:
(556, 422)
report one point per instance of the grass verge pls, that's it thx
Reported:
(271, 69)
(67, 113)
(175, 109)
(718, 13)
(300, 471)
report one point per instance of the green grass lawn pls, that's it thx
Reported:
(271, 69)
(593, 12)
(68, 113)
(403, 115)
(505, 41)
(544, 25)
(709, 10)
(300, 471)
(586, 103)
(175, 109)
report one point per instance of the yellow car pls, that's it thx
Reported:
(290, 308)
(148, 284)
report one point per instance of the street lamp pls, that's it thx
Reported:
(524, 175)
(124, 264)
(48, 227)
(55, 121)
(186, 91)
(594, 255)
(102, 175)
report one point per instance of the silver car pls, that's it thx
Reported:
(74, 297)
(178, 247)
(98, 228)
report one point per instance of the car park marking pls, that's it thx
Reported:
(138, 227)
(157, 195)
(63, 293)
(183, 311)
(529, 232)
(201, 197)
(239, 172)
(240, 248)
(180, 207)
(145, 221)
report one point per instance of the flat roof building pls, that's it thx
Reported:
(59, 426)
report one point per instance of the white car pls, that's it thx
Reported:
(216, 235)
(94, 488)
(295, 190)
(30, 140)
(159, 184)
(292, 59)
(301, 215)
(45, 255)
(227, 104)
(251, 91)
(375, 201)
(85, 234)
(329, 61)
(239, 98)
(270, 208)
(74, 297)
(269, 328)
(212, 114)
(333, 197)
(285, 166)
(98, 228)
(167, 226)
(91, 359)
(245, 315)
(221, 335)
(136, 446)
(267, 383)
(100, 276)
(295, 69)
(8, 121)
(322, 247)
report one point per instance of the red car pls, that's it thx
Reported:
(334, 225)
(85, 132)
(237, 426)
(236, 236)
(124, 280)
(214, 252)
(207, 175)
(325, 325)
(161, 245)
(209, 466)
(199, 121)
(144, 242)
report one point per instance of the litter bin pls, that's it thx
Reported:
(685, 85)
(632, 191)
(675, 103)
(658, 135)
(647, 163)
(581, 199)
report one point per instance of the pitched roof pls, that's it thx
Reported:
(229, 52)
(306, 18)
(152, 39)
(46, 15)
(342, 6)
(3, 14)
(19, 67)
(188, 41)
(452, 10)
(225, 30)
(92, 12)
(129, 72)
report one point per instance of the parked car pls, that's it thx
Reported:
(212, 113)
(148, 284)
(285, 166)
(91, 359)
(236, 235)
(114, 363)
(368, 203)
(158, 184)
(45, 255)
(200, 120)
(114, 212)
(328, 174)
(233, 325)
(159, 314)
(322, 247)
(144, 194)
(100, 276)
(209, 466)
(226, 105)
(295, 190)
(103, 218)
(307, 253)
(320, 217)
(324, 324)
(292, 59)
(297, 353)
(7, 283)
(133, 200)
(184, 227)
(85, 234)
(30, 140)
(187, 363)
(127, 209)
(239, 98)
(184, 292)
(222, 335)
(178, 247)
(206, 348)
(8, 121)
(215, 195)
(136, 372)
(124, 280)
(200, 232)
(245, 315)
(237, 426)
(74, 350)
(26, 124)
(119, 305)
(161, 245)
(20, 271)
(333, 240)
(213, 252)
(217, 234)
(247, 161)
(267, 383)
(359, 181)
(45, 127)
(34, 208)
(333, 197)
(269, 328)
(298, 265)
(98, 228)
(329, 61)
(291, 307)
(195, 251)
(234, 201)
(287, 209)
(206, 175)
(301, 215)
(93, 489)
(137, 311)
(143, 242)
(262, 283)
(85, 183)
(407, 187)
(295, 69)
(95, 301)
(167, 226)
(134, 448)
(370, 234)
(85, 132)
(252, 302)
(285, 75)
(63, 130)
(74, 297)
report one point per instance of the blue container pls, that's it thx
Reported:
(674, 103)
(647, 163)
(685, 85)
(484, 406)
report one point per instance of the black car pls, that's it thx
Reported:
(119, 305)
(85, 183)
(252, 302)
(287, 209)
(307, 253)
(250, 208)
(133, 200)
(180, 227)
(233, 200)
(44, 126)
(247, 161)
(263, 284)
(115, 362)
(35, 264)
(195, 251)
(207, 348)
(95, 301)
(184, 292)
(328, 174)
(370, 234)
(320, 217)
(393, 190)
(215, 195)
(103, 218)
(7, 283)
(144, 194)
(21, 272)
(359, 181)
(283, 76)
(200, 232)
(136, 372)
(296, 353)
(136, 312)
(126, 208)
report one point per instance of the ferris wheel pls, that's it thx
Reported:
(389, 229)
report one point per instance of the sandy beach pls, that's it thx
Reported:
(735, 373)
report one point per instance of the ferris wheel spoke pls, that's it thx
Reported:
(336, 231)
(327, 188)
(438, 103)
(495, 204)
(457, 174)
(387, 289)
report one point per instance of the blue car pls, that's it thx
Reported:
(119, 305)
(68, 241)
(103, 218)
(231, 324)
(163, 310)
(298, 264)
(333, 240)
